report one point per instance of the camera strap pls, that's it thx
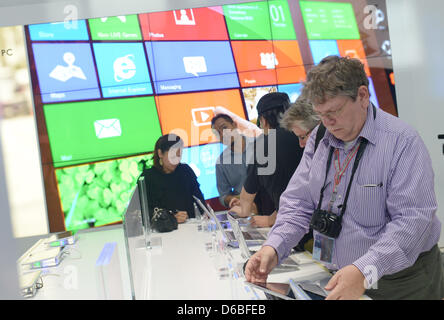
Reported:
(360, 152)
(362, 145)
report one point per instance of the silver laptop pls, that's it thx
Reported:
(251, 237)
(247, 253)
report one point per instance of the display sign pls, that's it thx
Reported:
(184, 24)
(260, 21)
(329, 20)
(122, 28)
(65, 71)
(97, 194)
(353, 49)
(122, 69)
(107, 89)
(191, 66)
(97, 130)
(293, 90)
(323, 48)
(59, 31)
(262, 63)
(202, 159)
(193, 123)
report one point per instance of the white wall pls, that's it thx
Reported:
(416, 32)
(24, 176)
(8, 273)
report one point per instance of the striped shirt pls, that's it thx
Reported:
(388, 223)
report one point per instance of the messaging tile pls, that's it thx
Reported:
(191, 66)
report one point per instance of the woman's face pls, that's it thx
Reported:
(170, 159)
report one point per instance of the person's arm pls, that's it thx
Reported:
(249, 190)
(194, 186)
(296, 206)
(260, 265)
(232, 200)
(246, 203)
(292, 222)
(263, 221)
(411, 205)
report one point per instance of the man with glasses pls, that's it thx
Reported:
(301, 119)
(367, 192)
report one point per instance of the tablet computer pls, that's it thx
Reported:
(285, 291)
(274, 290)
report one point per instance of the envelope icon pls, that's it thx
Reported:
(107, 128)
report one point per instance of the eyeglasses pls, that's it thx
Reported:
(305, 136)
(332, 115)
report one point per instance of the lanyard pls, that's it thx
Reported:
(360, 150)
(340, 170)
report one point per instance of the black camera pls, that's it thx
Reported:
(327, 223)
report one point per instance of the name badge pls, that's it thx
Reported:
(323, 247)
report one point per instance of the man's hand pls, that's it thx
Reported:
(181, 216)
(234, 202)
(346, 284)
(237, 210)
(260, 221)
(261, 264)
(263, 221)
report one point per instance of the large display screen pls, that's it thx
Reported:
(105, 91)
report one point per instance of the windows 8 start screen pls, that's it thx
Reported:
(105, 89)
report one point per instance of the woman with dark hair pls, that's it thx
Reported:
(171, 184)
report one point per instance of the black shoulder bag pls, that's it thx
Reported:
(163, 220)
